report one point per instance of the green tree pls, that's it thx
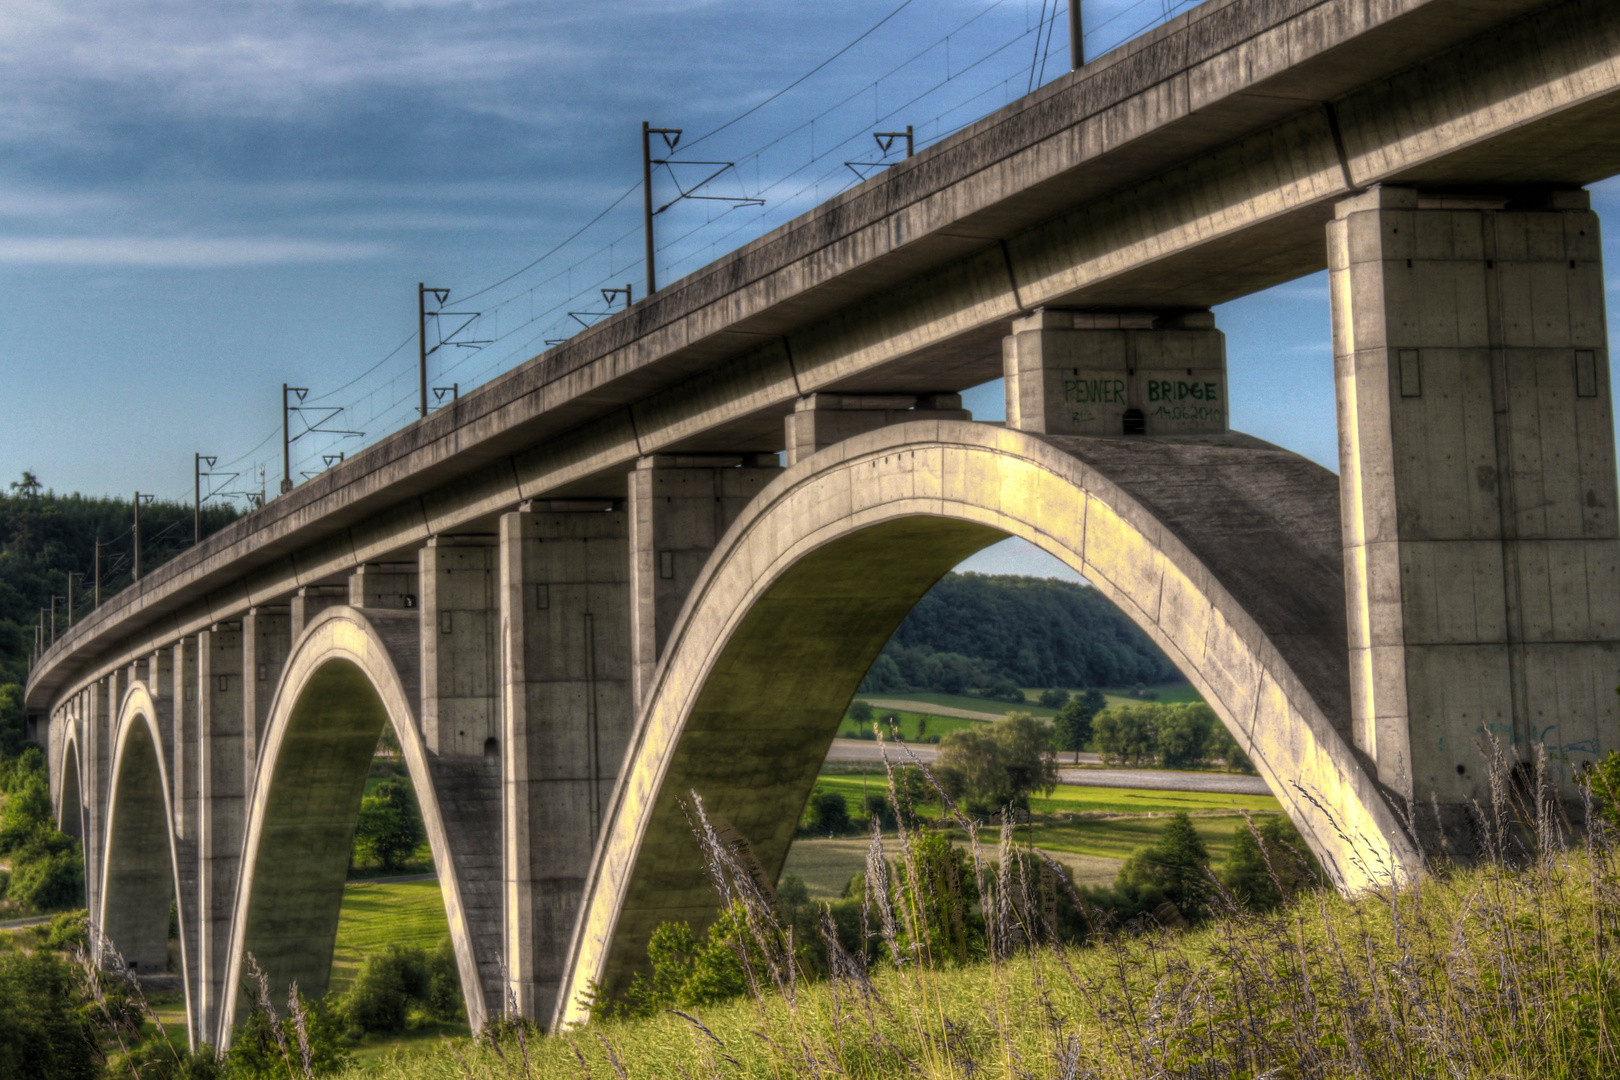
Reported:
(1072, 727)
(390, 827)
(1247, 874)
(1054, 698)
(1176, 867)
(829, 814)
(1127, 734)
(44, 1033)
(1184, 733)
(861, 713)
(1002, 766)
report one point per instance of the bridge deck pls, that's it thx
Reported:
(1193, 165)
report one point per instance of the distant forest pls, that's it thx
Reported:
(45, 536)
(988, 632)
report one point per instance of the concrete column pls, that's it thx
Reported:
(95, 781)
(220, 810)
(460, 653)
(393, 586)
(567, 715)
(1132, 373)
(185, 776)
(160, 684)
(819, 420)
(1476, 441)
(310, 600)
(266, 642)
(680, 506)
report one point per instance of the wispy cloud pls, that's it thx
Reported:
(180, 252)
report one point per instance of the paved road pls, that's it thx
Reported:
(18, 924)
(862, 751)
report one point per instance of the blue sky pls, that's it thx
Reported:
(201, 200)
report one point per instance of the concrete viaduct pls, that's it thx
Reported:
(593, 584)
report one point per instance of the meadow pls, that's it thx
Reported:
(1505, 969)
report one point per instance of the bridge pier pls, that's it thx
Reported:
(1116, 373)
(680, 505)
(1476, 444)
(220, 806)
(266, 641)
(185, 778)
(566, 719)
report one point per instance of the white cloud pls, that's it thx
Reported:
(180, 252)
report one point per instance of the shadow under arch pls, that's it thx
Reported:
(70, 802)
(345, 679)
(140, 862)
(1225, 550)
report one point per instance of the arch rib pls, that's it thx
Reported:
(1224, 549)
(134, 811)
(349, 673)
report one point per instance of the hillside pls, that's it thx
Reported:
(979, 630)
(45, 536)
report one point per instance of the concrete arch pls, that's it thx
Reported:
(1225, 550)
(140, 863)
(69, 800)
(345, 679)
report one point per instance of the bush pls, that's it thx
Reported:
(1126, 734)
(402, 977)
(48, 874)
(256, 1055)
(44, 1034)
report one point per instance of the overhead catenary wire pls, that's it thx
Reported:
(504, 325)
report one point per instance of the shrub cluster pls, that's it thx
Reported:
(47, 867)
(398, 981)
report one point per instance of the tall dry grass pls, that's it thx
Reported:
(1503, 969)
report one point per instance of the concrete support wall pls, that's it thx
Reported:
(1134, 373)
(679, 508)
(567, 717)
(460, 650)
(266, 641)
(391, 586)
(461, 687)
(310, 600)
(819, 420)
(1482, 568)
(185, 775)
(220, 808)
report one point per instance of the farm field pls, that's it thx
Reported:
(1169, 693)
(1092, 830)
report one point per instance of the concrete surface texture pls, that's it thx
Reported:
(585, 589)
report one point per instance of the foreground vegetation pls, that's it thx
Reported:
(1506, 969)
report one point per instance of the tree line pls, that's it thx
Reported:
(45, 536)
(999, 632)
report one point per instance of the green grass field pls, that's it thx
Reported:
(374, 916)
(1090, 829)
(907, 723)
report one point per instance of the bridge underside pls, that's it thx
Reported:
(814, 578)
